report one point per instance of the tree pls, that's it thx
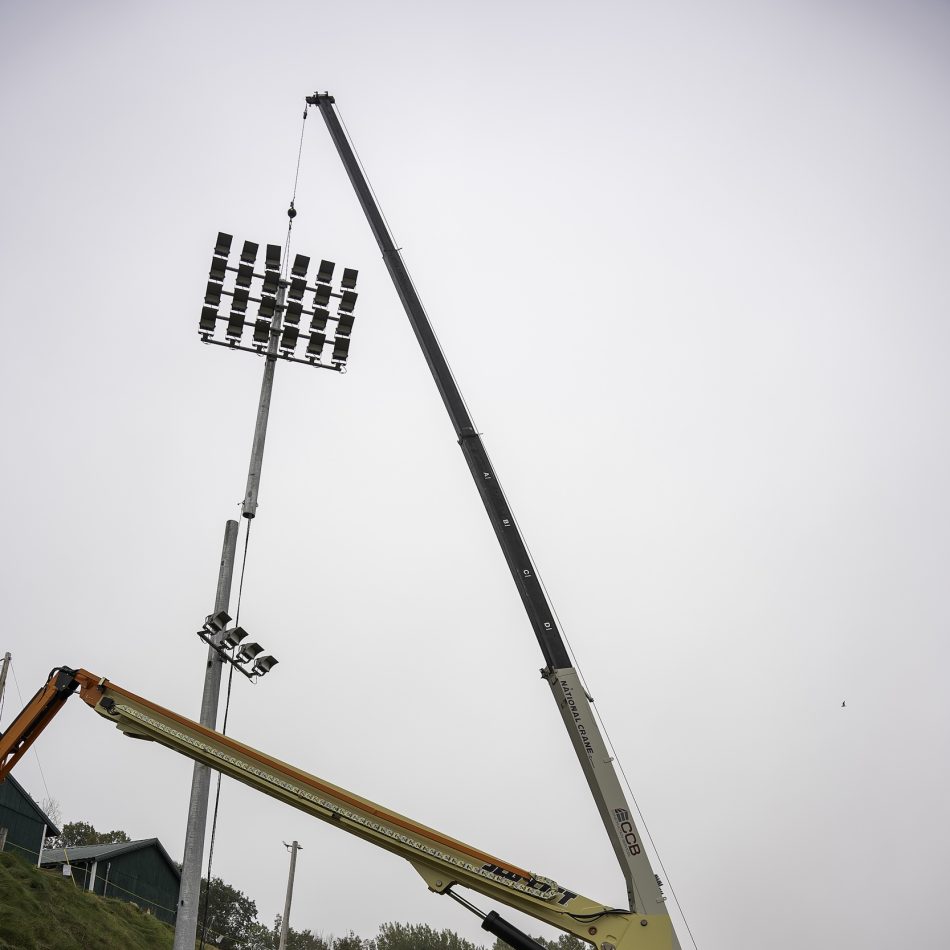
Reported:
(395, 936)
(305, 940)
(350, 942)
(563, 942)
(259, 937)
(232, 918)
(299, 939)
(52, 810)
(76, 834)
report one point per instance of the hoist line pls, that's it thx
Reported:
(292, 211)
(303, 126)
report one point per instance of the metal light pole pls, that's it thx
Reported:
(186, 922)
(276, 334)
(285, 920)
(263, 409)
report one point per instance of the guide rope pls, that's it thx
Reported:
(614, 753)
(16, 682)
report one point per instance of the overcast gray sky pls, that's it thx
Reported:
(689, 263)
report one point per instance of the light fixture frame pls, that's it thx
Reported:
(243, 294)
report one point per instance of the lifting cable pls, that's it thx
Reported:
(292, 211)
(291, 214)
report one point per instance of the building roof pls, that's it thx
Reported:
(38, 812)
(100, 852)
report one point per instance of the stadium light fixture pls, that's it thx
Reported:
(282, 301)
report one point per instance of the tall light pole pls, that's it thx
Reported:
(285, 920)
(282, 302)
(189, 892)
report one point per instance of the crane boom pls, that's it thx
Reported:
(442, 861)
(643, 890)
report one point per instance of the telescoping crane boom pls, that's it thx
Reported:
(442, 861)
(643, 890)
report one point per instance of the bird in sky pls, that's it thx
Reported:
(842, 704)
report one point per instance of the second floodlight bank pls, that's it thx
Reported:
(231, 645)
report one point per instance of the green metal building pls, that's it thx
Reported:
(136, 871)
(25, 823)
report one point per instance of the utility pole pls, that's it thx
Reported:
(3, 673)
(285, 920)
(186, 922)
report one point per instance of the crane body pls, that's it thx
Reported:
(575, 705)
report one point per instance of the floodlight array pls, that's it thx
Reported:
(292, 326)
(230, 643)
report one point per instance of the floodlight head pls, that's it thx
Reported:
(348, 280)
(266, 309)
(239, 300)
(319, 319)
(347, 301)
(223, 246)
(293, 311)
(249, 253)
(341, 349)
(219, 267)
(233, 637)
(289, 339)
(297, 286)
(248, 651)
(315, 344)
(325, 273)
(263, 664)
(213, 294)
(271, 279)
(301, 263)
(344, 324)
(235, 325)
(244, 274)
(272, 257)
(261, 331)
(321, 295)
(209, 316)
(215, 623)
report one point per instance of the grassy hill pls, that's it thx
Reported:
(40, 910)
